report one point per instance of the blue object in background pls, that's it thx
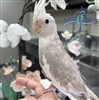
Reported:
(80, 18)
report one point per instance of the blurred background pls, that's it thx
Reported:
(11, 10)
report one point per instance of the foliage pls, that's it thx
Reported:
(8, 92)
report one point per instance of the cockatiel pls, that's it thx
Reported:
(55, 62)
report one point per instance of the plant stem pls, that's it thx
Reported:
(20, 64)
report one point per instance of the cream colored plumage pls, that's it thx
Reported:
(55, 62)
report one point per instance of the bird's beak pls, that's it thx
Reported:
(36, 27)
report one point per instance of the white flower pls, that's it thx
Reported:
(4, 42)
(16, 32)
(74, 47)
(97, 15)
(61, 3)
(97, 6)
(66, 35)
(3, 26)
(97, 3)
(12, 34)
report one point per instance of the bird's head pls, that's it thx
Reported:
(43, 23)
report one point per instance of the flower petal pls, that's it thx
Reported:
(66, 35)
(20, 75)
(4, 42)
(37, 71)
(8, 70)
(27, 36)
(23, 31)
(28, 63)
(77, 53)
(69, 36)
(97, 15)
(17, 29)
(16, 42)
(3, 26)
(12, 37)
(25, 63)
(62, 34)
(37, 76)
(53, 4)
(16, 87)
(29, 75)
(72, 47)
(34, 75)
(27, 72)
(24, 67)
(97, 3)
(61, 3)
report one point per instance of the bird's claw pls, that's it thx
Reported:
(52, 89)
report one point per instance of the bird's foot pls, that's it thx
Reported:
(52, 89)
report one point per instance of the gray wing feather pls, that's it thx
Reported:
(63, 69)
(85, 81)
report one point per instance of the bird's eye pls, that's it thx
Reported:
(46, 21)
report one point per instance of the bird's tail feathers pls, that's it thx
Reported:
(82, 97)
(91, 94)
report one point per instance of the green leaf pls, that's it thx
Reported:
(8, 92)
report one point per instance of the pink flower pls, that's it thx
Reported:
(74, 47)
(34, 75)
(25, 63)
(8, 70)
(17, 87)
(31, 75)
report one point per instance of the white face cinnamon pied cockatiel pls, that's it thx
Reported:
(55, 62)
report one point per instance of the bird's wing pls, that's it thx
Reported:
(85, 81)
(61, 69)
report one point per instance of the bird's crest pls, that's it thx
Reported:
(39, 9)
